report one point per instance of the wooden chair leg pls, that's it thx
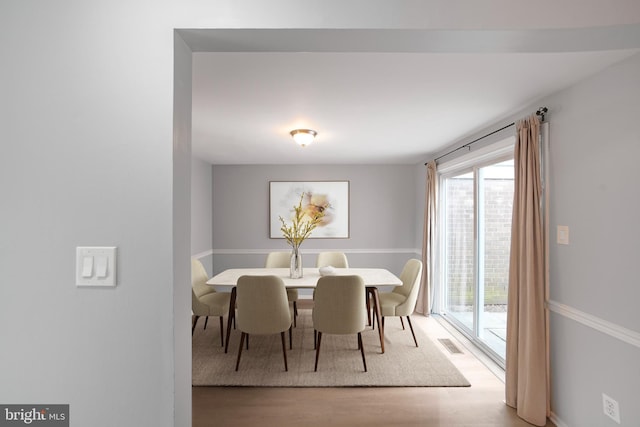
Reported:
(242, 337)
(221, 331)
(411, 327)
(206, 319)
(364, 361)
(195, 320)
(402, 323)
(315, 339)
(318, 350)
(284, 351)
(290, 338)
(247, 341)
(368, 302)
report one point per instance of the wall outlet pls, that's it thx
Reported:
(611, 408)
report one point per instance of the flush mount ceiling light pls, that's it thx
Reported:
(303, 136)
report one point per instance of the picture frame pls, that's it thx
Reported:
(332, 197)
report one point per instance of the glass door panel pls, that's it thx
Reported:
(477, 206)
(494, 217)
(459, 268)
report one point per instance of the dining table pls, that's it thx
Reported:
(372, 278)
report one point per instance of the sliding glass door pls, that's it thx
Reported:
(459, 248)
(476, 215)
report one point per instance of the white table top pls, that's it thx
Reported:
(371, 276)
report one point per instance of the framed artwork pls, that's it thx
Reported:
(331, 197)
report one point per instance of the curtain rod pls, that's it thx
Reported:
(541, 112)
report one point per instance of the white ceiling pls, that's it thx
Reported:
(376, 97)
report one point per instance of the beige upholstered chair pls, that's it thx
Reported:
(199, 279)
(334, 259)
(402, 300)
(278, 260)
(205, 301)
(283, 260)
(339, 308)
(263, 309)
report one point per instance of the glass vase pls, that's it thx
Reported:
(295, 268)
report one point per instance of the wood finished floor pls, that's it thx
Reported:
(481, 405)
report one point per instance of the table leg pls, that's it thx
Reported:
(376, 306)
(371, 315)
(231, 317)
(369, 295)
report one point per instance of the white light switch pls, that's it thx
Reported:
(563, 235)
(96, 266)
(102, 263)
(87, 266)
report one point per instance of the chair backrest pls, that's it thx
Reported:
(278, 260)
(410, 277)
(199, 279)
(197, 307)
(334, 259)
(263, 307)
(339, 305)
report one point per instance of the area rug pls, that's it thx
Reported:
(340, 364)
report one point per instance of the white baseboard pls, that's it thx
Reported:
(557, 421)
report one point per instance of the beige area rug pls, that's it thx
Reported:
(340, 365)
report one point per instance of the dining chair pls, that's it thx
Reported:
(401, 301)
(205, 301)
(283, 260)
(334, 259)
(339, 260)
(339, 308)
(262, 309)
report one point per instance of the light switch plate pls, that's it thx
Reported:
(96, 266)
(563, 234)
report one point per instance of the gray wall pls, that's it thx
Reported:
(180, 381)
(87, 160)
(201, 211)
(382, 214)
(594, 155)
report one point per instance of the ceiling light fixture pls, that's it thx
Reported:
(303, 136)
